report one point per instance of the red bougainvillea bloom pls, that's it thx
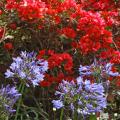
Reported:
(112, 55)
(61, 61)
(68, 32)
(31, 9)
(57, 19)
(99, 4)
(66, 5)
(1, 12)
(1, 32)
(115, 57)
(8, 46)
(50, 79)
(45, 83)
(91, 27)
(45, 54)
(57, 60)
(13, 26)
(11, 4)
(106, 54)
(109, 16)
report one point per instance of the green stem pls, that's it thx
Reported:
(61, 115)
(7, 118)
(54, 115)
(19, 89)
(75, 115)
(20, 100)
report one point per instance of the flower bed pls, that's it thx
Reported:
(59, 59)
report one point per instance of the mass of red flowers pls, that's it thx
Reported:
(80, 26)
(68, 46)
(56, 61)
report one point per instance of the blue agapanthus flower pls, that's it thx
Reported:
(82, 96)
(57, 104)
(27, 67)
(100, 69)
(8, 97)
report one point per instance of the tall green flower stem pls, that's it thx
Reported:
(75, 116)
(7, 118)
(61, 115)
(21, 89)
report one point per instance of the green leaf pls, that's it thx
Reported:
(93, 117)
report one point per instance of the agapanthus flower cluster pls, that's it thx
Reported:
(8, 97)
(82, 96)
(27, 68)
(102, 70)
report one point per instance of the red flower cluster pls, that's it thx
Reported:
(51, 80)
(100, 4)
(68, 32)
(13, 26)
(1, 12)
(66, 5)
(31, 9)
(62, 62)
(112, 55)
(94, 34)
(11, 4)
(57, 60)
(57, 6)
(109, 17)
(8, 46)
(1, 32)
(28, 9)
(115, 57)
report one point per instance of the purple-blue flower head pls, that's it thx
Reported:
(26, 67)
(81, 96)
(57, 104)
(99, 69)
(108, 70)
(8, 97)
